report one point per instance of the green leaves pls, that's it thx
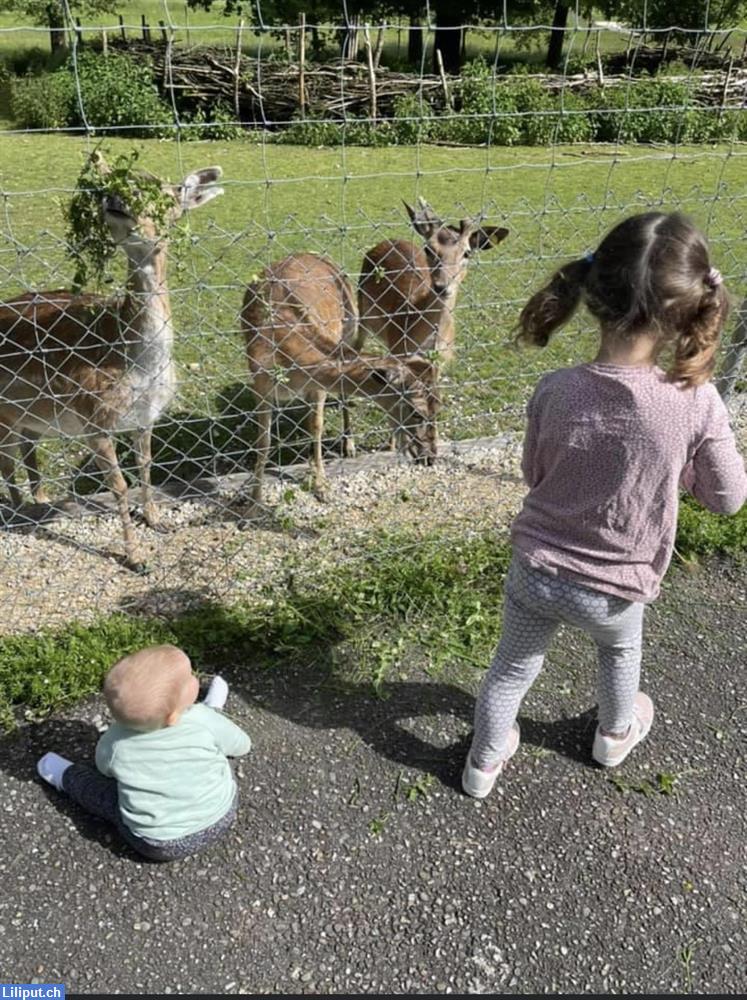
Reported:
(89, 242)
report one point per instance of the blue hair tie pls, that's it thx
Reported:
(589, 257)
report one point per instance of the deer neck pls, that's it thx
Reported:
(148, 313)
(431, 323)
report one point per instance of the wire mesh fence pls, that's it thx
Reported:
(354, 288)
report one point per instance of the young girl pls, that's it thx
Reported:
(163, 779)
(607, 448)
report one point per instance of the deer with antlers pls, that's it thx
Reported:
(299, 319)
(90, 366)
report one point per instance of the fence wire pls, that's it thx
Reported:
(353, 290)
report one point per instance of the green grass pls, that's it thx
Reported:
(434, 602)
(200, 27)
(557, 203)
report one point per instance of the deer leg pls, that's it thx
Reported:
(8, 444)
(106, 459)
(316, 428)
(263, 416)
(348, 441)
(29, 459)
(144, 457)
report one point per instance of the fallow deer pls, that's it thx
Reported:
(298, 320)
(91, 366)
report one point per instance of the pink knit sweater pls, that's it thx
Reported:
(606, 452)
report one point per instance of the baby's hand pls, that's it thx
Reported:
(216, 693)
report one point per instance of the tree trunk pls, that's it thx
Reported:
(415, 42)
(449, 40)
(555, 48)
(56, 22)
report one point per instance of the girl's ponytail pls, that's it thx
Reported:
(552, 306)
(696, 342)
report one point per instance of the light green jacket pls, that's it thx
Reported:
(173, 781)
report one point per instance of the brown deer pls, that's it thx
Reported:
(89, 366)
(299, 319)
(407, 294)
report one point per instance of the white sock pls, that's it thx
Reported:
(217, 693)
(51, 767)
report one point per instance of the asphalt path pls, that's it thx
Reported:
(356, 864)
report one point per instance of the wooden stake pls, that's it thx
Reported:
(122, 29)
(379, 48)
(444, 83)
(725, 91)
(371, 70)
(237, 68)
(302, 64)
(145, 28)
(164, 32)
(104, 43)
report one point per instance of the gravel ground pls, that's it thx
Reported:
(64, 565)
(356, 866)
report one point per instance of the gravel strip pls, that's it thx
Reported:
(65, 564)
(67, 568)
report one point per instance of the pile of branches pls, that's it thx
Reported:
(267, 93)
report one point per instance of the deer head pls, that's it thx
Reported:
(410, 397)
(139, 220)
(448, 248)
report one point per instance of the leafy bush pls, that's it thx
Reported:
(116, 92)
(42, 102)
(487, 110)
(534, 105)
(119, 92)
(218, 122)
(573, 123)
(413, 120)
(350, 132)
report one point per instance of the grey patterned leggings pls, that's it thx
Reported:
(535, 604)
(98, 795)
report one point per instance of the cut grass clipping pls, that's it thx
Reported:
(433, 601)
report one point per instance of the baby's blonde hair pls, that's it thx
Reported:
(144, 688)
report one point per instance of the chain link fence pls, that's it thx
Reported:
(451, 204)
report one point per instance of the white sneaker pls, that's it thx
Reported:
(51, 768)
(478, 783)
(610, 752)
(217, 693)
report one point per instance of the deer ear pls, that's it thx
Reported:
(199, 188)
(487, 237)
(99, 161)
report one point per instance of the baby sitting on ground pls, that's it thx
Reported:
(162, 777)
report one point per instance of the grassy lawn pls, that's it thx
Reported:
(556, 203)
(195, 26)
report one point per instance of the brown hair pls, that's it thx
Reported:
(650, 274)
